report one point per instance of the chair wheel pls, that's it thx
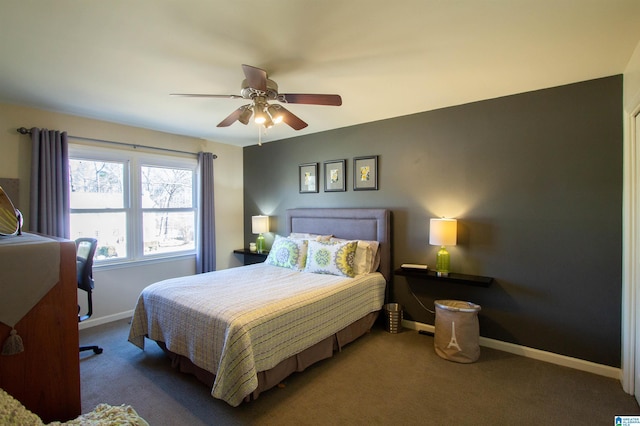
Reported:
(97, 351)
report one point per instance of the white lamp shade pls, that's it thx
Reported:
(443, 232)
(259, 224)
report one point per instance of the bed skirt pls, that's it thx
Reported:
(296, 363)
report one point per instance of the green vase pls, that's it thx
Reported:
(260, 243)
(442, 262)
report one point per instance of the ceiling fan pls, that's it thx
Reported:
(261, 90)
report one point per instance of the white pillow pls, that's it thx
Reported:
(374, 246)
(288, 253)
(332, 258)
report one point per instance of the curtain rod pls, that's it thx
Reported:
(25, 131)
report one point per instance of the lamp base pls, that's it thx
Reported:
(442, 262)
(260, 243)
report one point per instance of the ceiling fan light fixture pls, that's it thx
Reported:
(275, 114)
(259, 110)
(268, 123)
(245, 116)
(259, 117)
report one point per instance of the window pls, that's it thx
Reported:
(137, 205)
(167, 209)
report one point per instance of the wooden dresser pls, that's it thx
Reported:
(46, 376)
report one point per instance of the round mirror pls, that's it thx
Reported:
(9, 216)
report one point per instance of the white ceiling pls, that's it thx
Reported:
(118, 60)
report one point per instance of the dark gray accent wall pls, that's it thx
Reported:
(535, 181)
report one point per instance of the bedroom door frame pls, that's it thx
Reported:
(630, 374)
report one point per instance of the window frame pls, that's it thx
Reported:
(133, 161)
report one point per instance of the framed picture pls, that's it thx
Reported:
(365, 173)
(308, 175)
(334, 176)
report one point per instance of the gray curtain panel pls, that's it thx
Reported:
(49, 210)
(206, 257)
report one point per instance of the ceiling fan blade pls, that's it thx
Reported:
(256, 77)
(233, 117)
(291, 119)
(199, 95)
(310, 99)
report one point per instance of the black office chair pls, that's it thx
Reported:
(85, 250)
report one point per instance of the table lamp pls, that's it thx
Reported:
(259, 225)
(443, 232)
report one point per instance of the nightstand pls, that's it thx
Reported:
(429, 275)
(251, 257)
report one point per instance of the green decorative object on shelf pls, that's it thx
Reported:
(442, 262)
(260, 244)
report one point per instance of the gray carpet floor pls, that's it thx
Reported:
(381, 378)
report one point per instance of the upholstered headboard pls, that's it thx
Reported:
(352, 224)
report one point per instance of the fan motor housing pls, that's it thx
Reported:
(250, 92)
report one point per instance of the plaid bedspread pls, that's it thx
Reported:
(239, 321)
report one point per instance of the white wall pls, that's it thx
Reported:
(117, 288)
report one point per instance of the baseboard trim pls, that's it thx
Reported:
(565, 361)
(93, 322)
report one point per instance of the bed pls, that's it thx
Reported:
(243, 330)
